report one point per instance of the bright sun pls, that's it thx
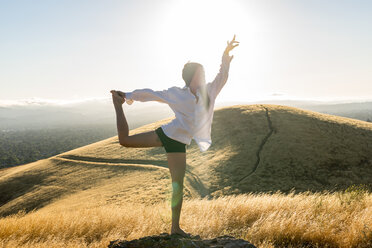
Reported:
(199, 30)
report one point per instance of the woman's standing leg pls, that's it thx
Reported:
(177, 167)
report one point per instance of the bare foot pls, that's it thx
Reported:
(116, 98)
(180, 232)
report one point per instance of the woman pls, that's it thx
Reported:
(193, 107)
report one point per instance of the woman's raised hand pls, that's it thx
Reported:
(230, 46)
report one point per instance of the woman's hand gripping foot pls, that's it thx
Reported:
(118, 97)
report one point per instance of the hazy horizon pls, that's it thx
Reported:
(36, 101)
(61, 52)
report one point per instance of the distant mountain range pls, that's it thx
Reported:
(34, 116)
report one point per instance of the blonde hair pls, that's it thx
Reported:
(188, 72)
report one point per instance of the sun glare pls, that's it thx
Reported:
(198, 30)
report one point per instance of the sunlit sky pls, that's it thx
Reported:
(68, 50)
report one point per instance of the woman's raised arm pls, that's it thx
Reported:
(222, 76)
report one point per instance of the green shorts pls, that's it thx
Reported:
(170, 145)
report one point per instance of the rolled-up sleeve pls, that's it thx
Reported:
(146, 94)
(220, 80)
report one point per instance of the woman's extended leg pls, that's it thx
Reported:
(177, 167)
(147, 139)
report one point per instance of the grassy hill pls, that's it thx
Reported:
(255, 149)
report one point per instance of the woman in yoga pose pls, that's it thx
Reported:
(193, 107)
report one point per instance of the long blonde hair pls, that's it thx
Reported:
(188, 72)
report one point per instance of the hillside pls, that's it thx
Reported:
(255, 148)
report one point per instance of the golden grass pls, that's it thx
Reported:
(104, 191)
(266, 220)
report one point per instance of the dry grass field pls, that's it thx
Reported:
(275, 175)
(266, 220)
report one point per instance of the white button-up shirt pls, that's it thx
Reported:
(193, 120)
